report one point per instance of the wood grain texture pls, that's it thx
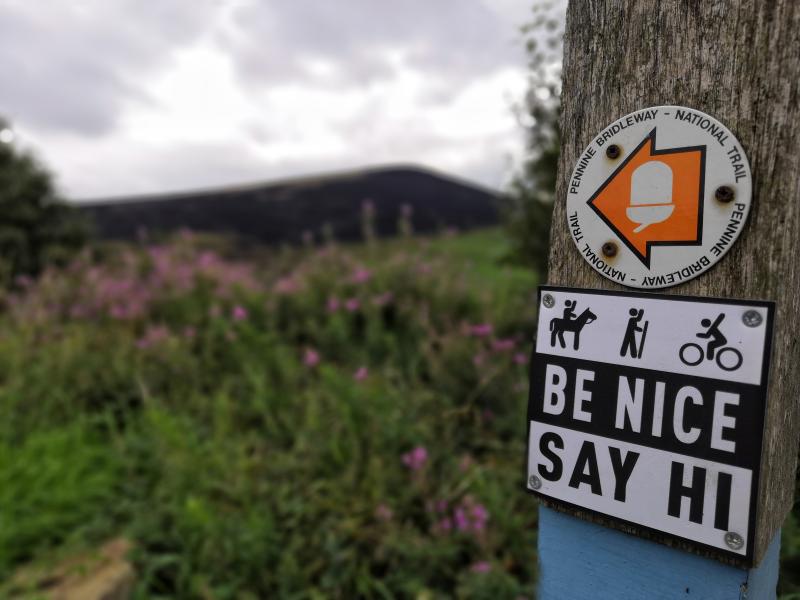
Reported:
(739, 62)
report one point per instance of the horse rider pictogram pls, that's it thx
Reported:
(569, 322)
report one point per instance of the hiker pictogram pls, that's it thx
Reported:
(570, 322)
(635, 334)
(727, 358)
(654, 198)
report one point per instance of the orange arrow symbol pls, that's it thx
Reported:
(654, 198)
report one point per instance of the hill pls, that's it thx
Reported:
(282, 211)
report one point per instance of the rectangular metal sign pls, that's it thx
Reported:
(649, 409)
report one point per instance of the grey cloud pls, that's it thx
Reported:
(69, 68)
(75, 70)
(451, 39)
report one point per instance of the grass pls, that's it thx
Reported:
(332, 422)
(322, 423)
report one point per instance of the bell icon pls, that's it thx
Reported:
(651, 194)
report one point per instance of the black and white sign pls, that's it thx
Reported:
(649, 409)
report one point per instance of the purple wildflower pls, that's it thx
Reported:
(481, 330)
(460, 517)
(361, 275)
(286, 285)
(481, 567)
(415, 459)
(503, 345)
(383, 512)
(383, 299)
(154, 335)
(443, 526)
(479, 516)
(311, 358)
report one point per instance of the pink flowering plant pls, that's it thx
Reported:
(350, 416)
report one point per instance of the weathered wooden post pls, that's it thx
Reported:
(663, 437)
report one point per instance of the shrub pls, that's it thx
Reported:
(331, 422)
(38, 229)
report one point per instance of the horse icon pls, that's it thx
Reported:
(559, 325)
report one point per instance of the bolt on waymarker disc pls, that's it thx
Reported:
(670, 186)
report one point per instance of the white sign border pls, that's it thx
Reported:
(593, 169)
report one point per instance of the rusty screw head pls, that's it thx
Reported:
(609, 249)
(724, 193)
(613, 151)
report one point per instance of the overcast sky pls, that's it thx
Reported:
(123, 97)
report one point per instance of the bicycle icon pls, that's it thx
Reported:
(726, 357)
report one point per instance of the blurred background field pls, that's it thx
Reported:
(337, 421)
(340, 421)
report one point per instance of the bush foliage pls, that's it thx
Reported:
(327, 423)
(37, 229)
(532, 191)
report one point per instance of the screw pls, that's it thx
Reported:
(733, 540)
(752, 318)
(613, 151)
(609, 249)
(724, 193)
(534, 482)
(548, 301)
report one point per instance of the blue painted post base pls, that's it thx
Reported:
(583, 561)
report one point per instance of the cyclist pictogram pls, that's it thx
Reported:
(726, 357)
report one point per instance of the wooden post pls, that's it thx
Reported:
(584, 560)
(738, 61)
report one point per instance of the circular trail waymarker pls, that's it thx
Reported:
(659, 196)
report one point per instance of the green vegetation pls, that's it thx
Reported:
(320, 423)
(338, 422)
(38, 229)
(530, 197)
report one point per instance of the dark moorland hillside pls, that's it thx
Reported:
(284, 211)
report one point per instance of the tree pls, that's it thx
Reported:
(36, 228)
(532, 190)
